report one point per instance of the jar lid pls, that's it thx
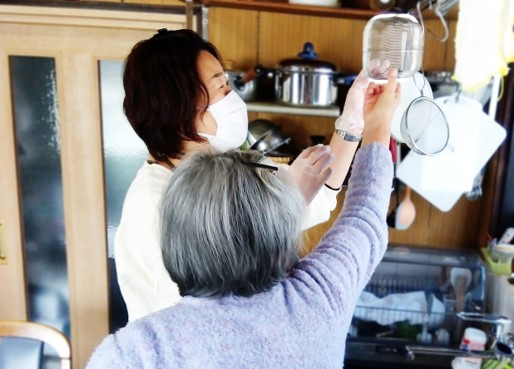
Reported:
(308, 62)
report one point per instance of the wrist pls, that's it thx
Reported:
(350, 123)
(348, 135)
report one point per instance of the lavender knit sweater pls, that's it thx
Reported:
(300, 323)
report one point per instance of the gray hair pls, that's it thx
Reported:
(228, 226)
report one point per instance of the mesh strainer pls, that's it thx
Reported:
(424, 127)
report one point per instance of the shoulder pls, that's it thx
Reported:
(137, 345)
(147, 188)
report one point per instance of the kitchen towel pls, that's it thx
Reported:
(484, 43)
(398, 307)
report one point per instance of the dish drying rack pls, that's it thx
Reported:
(414, 297)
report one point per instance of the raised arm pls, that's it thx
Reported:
(342, 263)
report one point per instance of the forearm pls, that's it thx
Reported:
(344, 152)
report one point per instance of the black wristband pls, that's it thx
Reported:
(332, 188)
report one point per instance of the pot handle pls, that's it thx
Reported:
(344, 79)
(264, 72)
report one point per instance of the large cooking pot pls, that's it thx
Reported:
(306, 81)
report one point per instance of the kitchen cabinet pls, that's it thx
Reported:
(257, 32)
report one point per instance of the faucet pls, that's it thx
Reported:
(502, 345)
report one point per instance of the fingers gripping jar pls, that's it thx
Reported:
(396, 39)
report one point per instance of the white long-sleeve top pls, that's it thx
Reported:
(144, 282)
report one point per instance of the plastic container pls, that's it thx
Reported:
(497, 268)
(397, 38)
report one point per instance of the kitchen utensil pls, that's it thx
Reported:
(460, 279)
(391, 217)
(410, 92)
(474, 137)
(285, 141)
(406, 212)
(424, 336)
(243, 83)
(264, 136)
(424, 127)
(397, 38)
(502, 253)
(507, 236)
(307, 80)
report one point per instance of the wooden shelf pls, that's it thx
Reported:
(277, 108)
(282, 6)
(285, 7)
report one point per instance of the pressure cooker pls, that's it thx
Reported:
(306, 80)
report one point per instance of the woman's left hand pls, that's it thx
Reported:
(311, 169)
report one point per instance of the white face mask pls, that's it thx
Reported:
(231, 117)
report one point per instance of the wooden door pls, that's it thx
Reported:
(73, 41)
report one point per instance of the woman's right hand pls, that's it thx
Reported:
(380, 102)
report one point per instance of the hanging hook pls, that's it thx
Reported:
(437, 11)
(420, 16)
(459, 90)
(424, 81)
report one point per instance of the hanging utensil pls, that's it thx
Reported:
(391, 217)
(406, 212)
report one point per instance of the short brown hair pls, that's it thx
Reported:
(162, 88)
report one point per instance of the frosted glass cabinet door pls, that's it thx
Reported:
(34, 95)
(124, 153)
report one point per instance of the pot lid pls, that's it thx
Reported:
(307, 61)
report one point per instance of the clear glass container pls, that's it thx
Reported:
(396, 38)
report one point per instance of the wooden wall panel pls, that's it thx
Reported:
(154, 2)
(336, 40)
(436, 55)
(149, 2)
(234, 32)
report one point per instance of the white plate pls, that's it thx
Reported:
(410, 90)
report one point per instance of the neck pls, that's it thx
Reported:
(190, 147)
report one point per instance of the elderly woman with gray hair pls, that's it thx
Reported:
(230, 229)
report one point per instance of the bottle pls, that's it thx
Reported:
(381, 5)
(473, 339)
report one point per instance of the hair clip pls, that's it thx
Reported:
(260, 165)
(161, 33)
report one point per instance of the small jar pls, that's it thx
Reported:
(396, 38)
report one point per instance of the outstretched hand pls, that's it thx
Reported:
(311, 169)
(380, 102)
(351, 120)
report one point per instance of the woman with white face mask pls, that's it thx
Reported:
(178, 101)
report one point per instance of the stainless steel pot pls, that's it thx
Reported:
(264, 136)
(243, 83)
(306, 81)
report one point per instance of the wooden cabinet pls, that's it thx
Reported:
(252, 32)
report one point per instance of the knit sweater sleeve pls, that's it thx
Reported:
(108, 355)
(342, 263)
